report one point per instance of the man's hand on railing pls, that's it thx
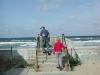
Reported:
(53, 53)
(53, 50)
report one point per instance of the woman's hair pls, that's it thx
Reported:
(58, 39)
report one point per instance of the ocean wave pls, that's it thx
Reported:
(17, 44)
(88, 41)
(21, 40)
(14, 42)
(77, 38)
(28, 44)
(84, 38)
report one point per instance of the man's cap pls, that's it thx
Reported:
(42, 27)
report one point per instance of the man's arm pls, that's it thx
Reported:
(41, 33)
(53, 49)
(48, 33)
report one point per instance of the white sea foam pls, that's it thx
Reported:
(29, 44)
(88, 41)
(32, 44)
(77, 38)
(14, 42)
(85, 43)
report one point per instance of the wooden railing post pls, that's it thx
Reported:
(63, 38)
(37, 48)
(67, 64)
(38, 41)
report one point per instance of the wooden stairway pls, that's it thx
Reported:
(47, 65)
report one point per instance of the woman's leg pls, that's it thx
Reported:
(60, 59)
(57, 59)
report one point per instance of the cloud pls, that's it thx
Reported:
(95, 4)
(73, 17)
(48, 5)
(90, 10)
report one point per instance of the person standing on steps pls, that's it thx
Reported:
(57, 50)
(45, 37)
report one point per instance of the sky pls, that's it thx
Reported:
(23, 18)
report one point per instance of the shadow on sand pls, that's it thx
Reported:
(70, 61)
(9, 60)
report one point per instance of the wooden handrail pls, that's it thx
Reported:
(77, 59)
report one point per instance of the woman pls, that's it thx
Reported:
(57, 50)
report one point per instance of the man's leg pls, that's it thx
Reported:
(43, 44)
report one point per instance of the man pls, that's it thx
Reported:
(45, 37)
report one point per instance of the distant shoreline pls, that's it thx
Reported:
(35, 37)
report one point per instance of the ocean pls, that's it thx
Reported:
(85, 40)
(6, 43)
